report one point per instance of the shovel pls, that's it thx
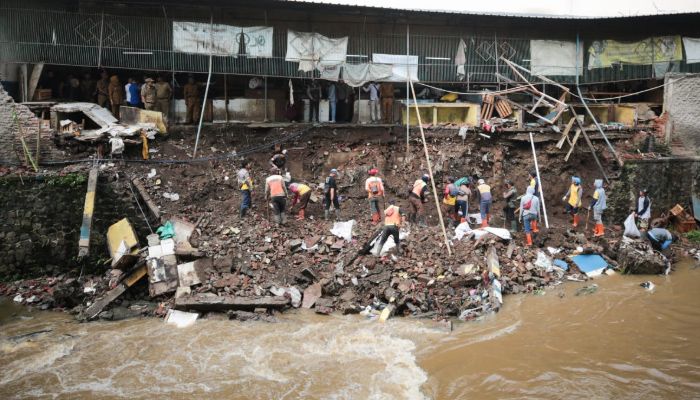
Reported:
(588, 214)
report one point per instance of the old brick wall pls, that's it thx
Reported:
(670, 181)
(11, 152)
(682, 102)
(40, 225)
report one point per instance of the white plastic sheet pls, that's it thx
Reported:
(401, 65)
(631, 227)
(555, 57)
(197, 38)
(692, 50)
(180, 319)
(310, 48)
(388, 245)
(358, 74)
(343, 229)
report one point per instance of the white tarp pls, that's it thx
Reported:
(343, 229)
(692, 50)
(310, 48)
(195, 37)
(400, 65)
(358, 74)
(180, 319)
(330, 72)
(554, 57)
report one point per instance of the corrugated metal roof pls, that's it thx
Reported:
(490, 14)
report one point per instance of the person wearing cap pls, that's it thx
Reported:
(302, 194)
(102, 89)
(485, 200)
(532, 175)
(392, 222)
(529, 211)
(462, 205)
(660, 238)
(643, 210)
(416, 198)
(449, 200)
(163, 95)
(116, 95)
(276, 192)
(375, 191)
(191, 93)
(573, 199)
(148, 94)
(279, 160)
(599, 205)
(245, 185)
(331, 195)
(510, 196)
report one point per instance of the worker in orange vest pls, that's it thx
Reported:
(276, 191)
(392, 223)
(416, 197)
(375, 190)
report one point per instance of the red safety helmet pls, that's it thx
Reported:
(373, 171)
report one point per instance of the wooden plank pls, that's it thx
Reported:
(573, 144)
(152, 207)
(96, 308)
(88, 208)
(565, 134)
(224, 303)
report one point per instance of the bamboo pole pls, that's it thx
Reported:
(430, 169)
(539, 181)
(206, 91)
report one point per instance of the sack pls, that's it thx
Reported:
(453, 190)
(462, 181)
(527, 204)
(374, 187)
(631, 228)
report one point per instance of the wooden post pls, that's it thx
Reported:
(226, 97)
(88, 208)
(539, 181)
(430, 170)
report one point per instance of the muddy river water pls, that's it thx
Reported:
(620, 342)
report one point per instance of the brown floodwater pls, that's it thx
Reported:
(621, 342)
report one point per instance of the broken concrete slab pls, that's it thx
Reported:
(96, 308)
(311, 294)
(187, 276)
(211, 302)
(637, 257)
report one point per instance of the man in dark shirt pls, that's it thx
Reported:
(331, 195)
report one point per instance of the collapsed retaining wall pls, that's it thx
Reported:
(670, 181)
(40, 222)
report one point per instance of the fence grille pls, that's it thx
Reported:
(145, 43)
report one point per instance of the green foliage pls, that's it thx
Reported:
(69, 180)
(693, 236)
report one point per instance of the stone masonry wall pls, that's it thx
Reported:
(670, 181)
(682, 102)
(40, 225)
(11, 151)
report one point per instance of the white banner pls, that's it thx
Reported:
(554, 57)
(195, 37)
(692, 50)
(400, 65)
(310, 48)
(358, 74)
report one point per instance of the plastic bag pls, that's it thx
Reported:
(631, 228)
(166, 231)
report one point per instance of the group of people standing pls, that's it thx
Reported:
(341, 98)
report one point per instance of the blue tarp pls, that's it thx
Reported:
(588, 263)
(561, 264)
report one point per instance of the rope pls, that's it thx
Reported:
(138, 203)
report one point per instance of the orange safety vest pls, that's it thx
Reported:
(276, 188)
(392, 216)
(418, 187)
(374, 187)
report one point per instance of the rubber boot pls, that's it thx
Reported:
(421, 222)
(326, 214)
(300, 216)
(412, 218)
(513, 226)
(375, 218)
(484, 223)
(277, 218)
(575, 222)
(528, 238)
(599, 230)
(337, 214)
(533, 225)
(242, 212)
(283, 217)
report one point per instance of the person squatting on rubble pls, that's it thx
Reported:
(116, 95)
(536, 186)
(485, 200)
(462, 206)
(392, 223)
(148, 94)
(660, 238)
(573, 199)
(510, 196)
(599, 205)
(302, 194)
(449, 201)
(331, 195)
(375, 191)
(245, 185)
(529, 211)
(643, 210)
(416, 198)
(191, 93)
(278, 161)
(276, 191)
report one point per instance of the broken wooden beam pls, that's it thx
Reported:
(88, 208)
(96, 308)
(203, 302)
(150, 204)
